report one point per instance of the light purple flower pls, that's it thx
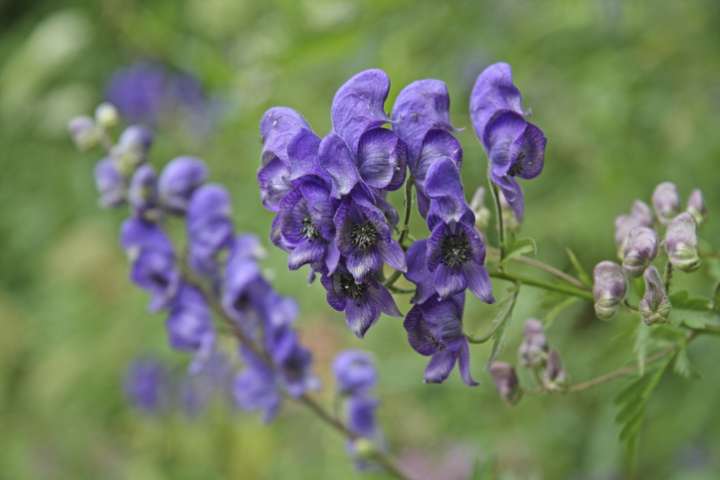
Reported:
(147, 385)
(639, 249)
(111, 184)
(209, 227)
(143, 194)
(640, 216)
(609, 288)
(506, 381)
(255, 388)
(534, 347)
(696, 206)
(189, 325)
(179, 180)
(354, 372)
(131, 149)
(681, 243)
(655, 305)
(666, 202)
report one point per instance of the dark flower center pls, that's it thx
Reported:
(363, 235)
(242, 302)
(516, 167)
(309, 230)
(455, 250)
(160, 280)
(350, 288)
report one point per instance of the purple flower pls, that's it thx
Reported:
(190, 326)
(131, 149)
(681, 243)
(178, 180)
(361, 415)
(147, 384)
(244, 290)
(655, 305)
(456, 257)
(362, 302)
(666, 202)
(640, 248)
(696, 206)
(364, 237)
(609, 288)
(640, 216)
(143, 194)
(354, 372)
(293, 361)
(418, 272)
(514, 146)
(255, 387)
(111, 184)
(209, 226)
(443, 188)
(213, 378)
(154, 266)
(434, 328)
(506, 381)
(534, 347)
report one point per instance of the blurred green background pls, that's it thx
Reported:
(628, 93)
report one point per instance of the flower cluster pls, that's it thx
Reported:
(637, 240)
(355, 378)
(217, 273)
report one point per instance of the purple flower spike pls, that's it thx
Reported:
(364, 237)
(358, 105)
(421, 106)
(354, 372)
(362, 302)
(456, 257)
(189, 325)
(110, 183)
(178, 180)
(255, 388)
(143, 194)
(493, 91)
(434, 329)
(209, 226)
(147, 385)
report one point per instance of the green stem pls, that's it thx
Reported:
(498, 324)
(499, 216)
(532, 282)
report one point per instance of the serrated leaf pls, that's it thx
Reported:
(522, 246)
(579, 270)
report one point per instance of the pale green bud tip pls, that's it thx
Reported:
(696, 206)
(84, 132)
(364, 448)
(106, 115)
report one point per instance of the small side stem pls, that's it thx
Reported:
(499, 216)
(532, 282)
(409, 183)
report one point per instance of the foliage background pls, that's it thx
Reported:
(628, 94)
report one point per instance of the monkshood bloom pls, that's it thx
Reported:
(655, 305)
(213, 379)
(189, 325)
(354, 372)
(254, 388)
(111, 184)
(84, 133)
(143, 194)
(534, 347)
(362, 302)
(639, 249)
(696, 206)
(609, 287)
(209, 227)
(640, 216)
(515, 147)
(153, 259)
(147, 385)
(434, 328)
(178, 181)
(666, 202)
(506, 381)
(681, 243)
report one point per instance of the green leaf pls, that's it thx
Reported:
(683, 301)
(555, 311)
(521, 246)
(682, 365)
(579, 270)
(642, 336)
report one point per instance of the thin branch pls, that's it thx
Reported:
(532, 282)
(668, 276)
(533, 262)
(499, 216)
(498, 324)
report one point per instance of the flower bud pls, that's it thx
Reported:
(511, 221)
(681, 243)
(143, 193)
(696, 206)
(642, 212)
(640, 216)
(655, 305)
(534, 347)
(482, 213)
(178, 181)
(106, 115)
(554, 375)
(666, 202)
(110, 183)
(639, 249)
(506, 382)
(609, 287)
(84, 132)
(132, 148)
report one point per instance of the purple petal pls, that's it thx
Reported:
(418, 273)
(333, 256)
(361, 264)
(274, 181)
(419, 336)
(434, 246)
(337, 161)
(306, 252)
(360, 316)
(440, 366)
(393, 255)
(449, 281)
(478, 281)
(381, 297)
(278, 127)
(358, 105)
(501, 133)
(513, 194)
(303, 154)
(381, 156)
(438, 145)
(493, 91)
(179, 179)
(464, 364)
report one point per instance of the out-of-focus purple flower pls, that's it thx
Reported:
(515, 147)
(434, 328)
(696, 206)
(364, 237)
(609, 288)
(190, 326)
(212, 379)
(361, 415)
(681, 243)
(639, 249)
(179, 180)
(362, 302)
(534, 347)
(293, 361)
(84, 133)
(354, 372)
(655, 305)
(243, 290)
(111, 184)
(554, 374)
(255, 387)
(147, 385)
(143, 194)
(640, 216)
(506, 381)
(131, 149)
(666, 202)
(209, 227)
(154, 267)
(456, 257)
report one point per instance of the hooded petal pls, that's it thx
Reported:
(278, 126)
(449, 281)
(379, 295)
(361, 264)
(306, 252)
(178, 180)
(393, 255)
(493, 90)
(438, 144)
(274, 181)
(440, 366)
(381, 155)
(464, 363)
(478, 281)
(360, 316)
(302, 153)
(513, 194)
(419, 334)
(338, 162)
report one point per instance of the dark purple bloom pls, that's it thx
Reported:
(418, 272)
(243, 290)
(190, 326)
(111, 184)
(178, 180)
(456, 257)
(361, 415)
(147, 384)
(255, 387)
(444, 191)
(514, 146)
(364, 237)
(292, 360)
(362, 302)
(143, 194)
(209, 226)
(354, 372)
(434, 328)
(154, 266)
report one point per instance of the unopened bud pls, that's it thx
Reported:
(554, 375)
(84, 132)
(696, 206)
(110, 183)
(655, 305)
(534, 347)
(639, 249)
(106, 115)
(681, 243)
(132, 148)
(142, 193)
(609, 288)
(178, 181)
(666, 202)
(482, 213)
(506, 382)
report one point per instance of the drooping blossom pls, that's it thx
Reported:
(354, 372)
(655, 305)
(666, 202)
(534, 347)
(609, 288)
(639, 249)
(506, 381)
(681, 243)
(696, 206)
